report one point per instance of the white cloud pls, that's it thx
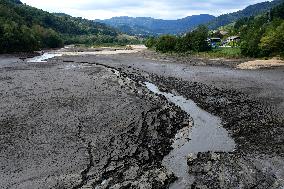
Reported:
(166, 9)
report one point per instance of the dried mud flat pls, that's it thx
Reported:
(88, 121)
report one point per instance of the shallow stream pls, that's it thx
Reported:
(206, 134)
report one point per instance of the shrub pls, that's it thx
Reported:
(150, 42)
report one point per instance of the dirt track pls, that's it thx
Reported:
(76, 122)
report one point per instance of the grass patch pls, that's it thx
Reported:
(222, 52)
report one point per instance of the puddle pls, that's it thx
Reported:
(43, 58)
(206, 134)
(76, 66)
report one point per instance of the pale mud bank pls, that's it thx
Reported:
(258, 64)
(69, 51)
(103, 51)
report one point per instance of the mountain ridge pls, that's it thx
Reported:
(152, 26)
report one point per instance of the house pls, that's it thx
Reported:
(222, 32)
(233, 39)
(214, 42)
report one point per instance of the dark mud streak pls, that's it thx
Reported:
(80, 128)
(136, 77)
(84, 173)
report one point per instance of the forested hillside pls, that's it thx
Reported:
(252, 10)
(24, 28)
(150, 26)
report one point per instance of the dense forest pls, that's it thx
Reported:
(261, 36)
(24, 28)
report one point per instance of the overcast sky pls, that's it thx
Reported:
(165, 9)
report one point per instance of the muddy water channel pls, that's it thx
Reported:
(205, 134)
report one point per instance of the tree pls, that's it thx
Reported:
(198, 39)
(273, 41)
(52, 39)
(193, 41)
(28, 41)
(183, 44)
(47, 38)
(251, 36)
(166, 43)
(278, 12)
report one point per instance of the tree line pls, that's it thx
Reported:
(192, 41)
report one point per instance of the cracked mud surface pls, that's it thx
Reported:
(250, 104)
(75, 122)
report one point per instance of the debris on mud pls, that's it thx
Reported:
(229, 170)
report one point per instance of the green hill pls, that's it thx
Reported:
(25, 28)
(262, 35)
(252, 10)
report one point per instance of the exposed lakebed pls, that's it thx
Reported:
(204, 134)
